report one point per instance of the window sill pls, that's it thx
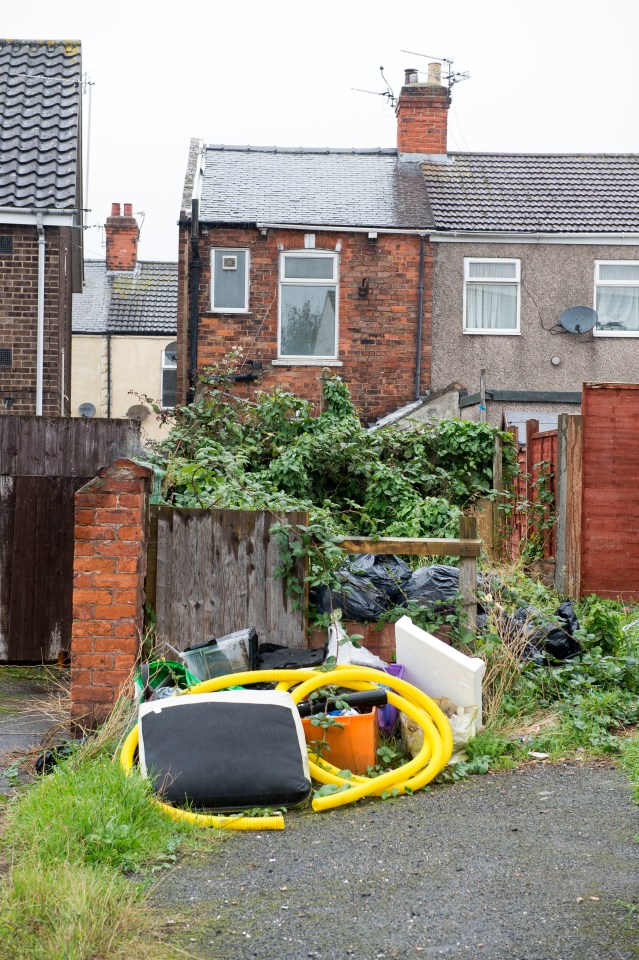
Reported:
(306, 362)
(222, 310)
(616, 333)
(493, 333)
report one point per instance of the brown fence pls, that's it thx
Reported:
(43, 461)
(532, 520)
(211, 572)
(610, 484)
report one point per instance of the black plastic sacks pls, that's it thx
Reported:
(543, 640)
(433, 586)
(370, 584)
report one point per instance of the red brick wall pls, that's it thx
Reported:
(19, 318)
(111, 529)
(121, 239)
(377, 335)
(422, 119)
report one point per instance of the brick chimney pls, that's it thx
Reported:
(121, 239)
(422, 113)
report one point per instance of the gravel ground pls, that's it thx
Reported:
(528, 865)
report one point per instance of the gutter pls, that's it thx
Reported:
(420, 314)
(310, 228)
(40, 324)
(195, 268)
(628, 238)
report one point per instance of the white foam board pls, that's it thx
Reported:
(436, 668)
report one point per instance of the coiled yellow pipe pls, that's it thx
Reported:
(413, 775)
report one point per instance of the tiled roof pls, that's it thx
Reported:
(40, 91)
(359, 188)
(143, 302)
(557, 193)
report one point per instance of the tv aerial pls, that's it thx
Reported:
(388, 92)
(452, 76)
(578, 319)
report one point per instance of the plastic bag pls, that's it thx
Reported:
(433, 585)
(340, 647)
(547, 640)
(387, 573)
(359, 599)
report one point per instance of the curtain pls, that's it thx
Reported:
(491, 306)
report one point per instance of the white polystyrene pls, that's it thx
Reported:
(436, 668)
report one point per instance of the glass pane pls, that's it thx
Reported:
(308, 268)
(169, 357)
(491, 306)
(230, 285)
(619, 271)
(491, 270)
(169, 388)
(308, 321)
(618, 308)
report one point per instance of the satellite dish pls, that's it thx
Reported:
(139, 411)
(578, 319)
(86, 410)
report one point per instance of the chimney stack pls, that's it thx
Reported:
(121, 239)
(422, 113)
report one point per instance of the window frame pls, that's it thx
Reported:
(166, 366)
(612, 283)
(231, 251)
(284, 281)
(492, 331)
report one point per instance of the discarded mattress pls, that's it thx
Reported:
(233, 750)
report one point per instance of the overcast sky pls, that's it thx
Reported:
(550, 76)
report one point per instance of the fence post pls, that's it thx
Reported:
(468, 576)
(569, 493)
(111, 529)
(498, 486)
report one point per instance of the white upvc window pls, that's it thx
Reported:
(491, 296)
(169, 376)
(229, 280)
(617, 298)
(308, 308)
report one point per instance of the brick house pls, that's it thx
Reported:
(305, 259)
(40, 221)
(124, 330)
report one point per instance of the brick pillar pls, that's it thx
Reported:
(111, 529)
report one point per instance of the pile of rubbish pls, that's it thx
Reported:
(369, 585)
(259, 735)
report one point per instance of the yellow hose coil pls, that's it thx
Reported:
(413, 775)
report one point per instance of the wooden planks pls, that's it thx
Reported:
(610, 496)
(64, 446)
(215, 573)
(414, 546)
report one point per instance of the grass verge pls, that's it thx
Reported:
(71, 841)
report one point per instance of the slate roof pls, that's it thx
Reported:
(554, 193)
(321, 187)
(40, 91)
(143, 302)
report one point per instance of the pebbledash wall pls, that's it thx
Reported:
(377, 334)
(19, 318)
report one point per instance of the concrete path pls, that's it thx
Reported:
(22, 724)
(536, 864)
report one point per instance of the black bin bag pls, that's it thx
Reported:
(226, 751)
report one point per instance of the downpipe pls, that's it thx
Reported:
(40, 329)
(420, 313)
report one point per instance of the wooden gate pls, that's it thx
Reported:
(216, 574)
(610, 485)
(42, 464)
(537, 465)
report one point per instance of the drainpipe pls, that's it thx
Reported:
(108, 376)
(420, 312)
(195, 267)
(40, 334)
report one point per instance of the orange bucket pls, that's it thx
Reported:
(353, 744)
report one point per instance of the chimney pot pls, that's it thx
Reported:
(411, 75)
(128, 209)
(435, 74)
(115, 209)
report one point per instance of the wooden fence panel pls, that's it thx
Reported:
(215, 574)
(540, 448)
(43, 461)
(610, 490)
